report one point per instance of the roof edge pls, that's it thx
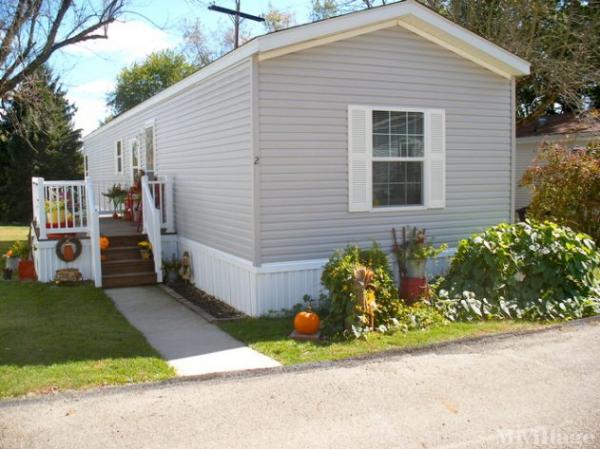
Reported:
(408, 13)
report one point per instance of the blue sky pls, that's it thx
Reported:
(88, 70)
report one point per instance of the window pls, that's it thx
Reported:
(135, 160)
(398, 158)
(149, 148)
(119, 157)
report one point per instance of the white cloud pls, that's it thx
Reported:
(90, 99)
(126, 41)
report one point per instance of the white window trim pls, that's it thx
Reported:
(86, 170)
(130, 151)
(117, 157)
(425, 159)
(151, 123)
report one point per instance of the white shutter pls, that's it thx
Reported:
(359, 158)
(437, 159)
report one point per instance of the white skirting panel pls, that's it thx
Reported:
(47, 262)
(270, 287)
(169, 246)
(230, 278)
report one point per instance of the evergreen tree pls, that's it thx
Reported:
(36, 140)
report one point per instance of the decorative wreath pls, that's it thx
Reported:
(60, 248)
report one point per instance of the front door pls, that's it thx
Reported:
(135, 160)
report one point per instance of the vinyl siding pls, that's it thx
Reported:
(303, 100)
(527, 148)
(203, 142)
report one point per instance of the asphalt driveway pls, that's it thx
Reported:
(535, 391)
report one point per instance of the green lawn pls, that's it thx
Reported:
(8, 234)
(270, 336)
(54, 338)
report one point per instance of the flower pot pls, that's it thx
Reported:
(415, 268)
(145, 254)
(12, 263)
(172, 277)
(115, 216)
(26, 270)
(412, 289)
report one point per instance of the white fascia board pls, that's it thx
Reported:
(229, 60)
(409, 13)
(431, 23)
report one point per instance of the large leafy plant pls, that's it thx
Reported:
(346, 315)
(565, 186)
(522, 264)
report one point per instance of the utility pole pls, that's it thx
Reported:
(236, 14)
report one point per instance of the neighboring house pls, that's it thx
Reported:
(307, 139)
(564, 128)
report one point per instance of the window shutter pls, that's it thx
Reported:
(437, 159)
(359, 163)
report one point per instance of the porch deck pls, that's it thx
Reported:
(111, 227)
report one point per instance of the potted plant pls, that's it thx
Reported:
(145, 249)
(412, 256)
(22, 250)
(117, 195)
(10, 264)
(171, 268)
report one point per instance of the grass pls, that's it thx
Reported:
(9, 234)
(54, 338)
(270, 336)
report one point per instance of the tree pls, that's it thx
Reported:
(140, 81)
(277, 19)
(32, 30)
(558, 37)
(196, 46)
(34, 144)
(323, 9)
(565, 187)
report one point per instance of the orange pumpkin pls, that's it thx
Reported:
(307, 322)
(104, 242)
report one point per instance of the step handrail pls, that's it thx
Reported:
(152, 226)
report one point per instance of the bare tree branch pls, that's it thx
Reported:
(35, 29)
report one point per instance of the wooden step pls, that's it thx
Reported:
(122, 252)
(126, 240)
(128, 279)
(123, 266)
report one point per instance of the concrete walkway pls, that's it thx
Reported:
(185, 340)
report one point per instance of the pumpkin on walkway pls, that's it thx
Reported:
(104, 242)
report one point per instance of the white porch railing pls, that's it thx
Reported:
(101, 186)
(152, 225)
(94, 233)
(65, 207)
(59, 207)
(162, 193)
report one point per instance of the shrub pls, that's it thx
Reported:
(345, 314)
(530, 268)
(467, 307)
(565, 187)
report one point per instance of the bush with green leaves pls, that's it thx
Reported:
(338, 278)
(467, 307)
(531, 270)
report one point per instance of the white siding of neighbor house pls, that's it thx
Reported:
(203, 142)
(526, 151)
(303, 102)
